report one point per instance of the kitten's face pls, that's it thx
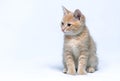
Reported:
(72, 23)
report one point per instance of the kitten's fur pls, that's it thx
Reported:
(79, 52)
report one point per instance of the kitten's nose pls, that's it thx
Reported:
(63, 30)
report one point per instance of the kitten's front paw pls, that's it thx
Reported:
(65, 70)
(82, 72)
(71, 71)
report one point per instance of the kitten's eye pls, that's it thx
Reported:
(68, 24)
(62, 23)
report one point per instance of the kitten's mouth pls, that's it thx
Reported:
(67, 32)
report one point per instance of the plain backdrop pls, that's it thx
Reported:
(31, 40)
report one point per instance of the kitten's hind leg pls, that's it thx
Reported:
(92, 64)
(90, 69)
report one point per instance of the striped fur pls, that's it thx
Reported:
(79, 52)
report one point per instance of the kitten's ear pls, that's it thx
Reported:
(77, 14)
(65, 11)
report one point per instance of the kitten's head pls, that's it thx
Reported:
(72, 22)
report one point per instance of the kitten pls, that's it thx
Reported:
(79, 52)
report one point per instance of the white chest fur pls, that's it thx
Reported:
(75, 46)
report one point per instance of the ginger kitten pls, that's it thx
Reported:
(79, 52)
